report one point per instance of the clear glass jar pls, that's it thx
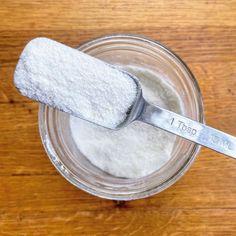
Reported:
(73, 165)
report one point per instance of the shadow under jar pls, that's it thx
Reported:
(73, 165)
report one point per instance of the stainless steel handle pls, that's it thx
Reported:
(189, 129)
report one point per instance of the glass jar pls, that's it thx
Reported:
(73, 165)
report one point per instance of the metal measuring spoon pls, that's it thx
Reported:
(170, 121)
(37, 51)
(182, 126)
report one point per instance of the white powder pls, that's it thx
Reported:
(74, 82)
(138, 149)
(79, 84)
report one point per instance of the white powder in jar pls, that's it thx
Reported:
(79, 84)
(74, 82)
(138, 149)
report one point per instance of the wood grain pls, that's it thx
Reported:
(36, 200)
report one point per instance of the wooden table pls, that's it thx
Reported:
(36, 200)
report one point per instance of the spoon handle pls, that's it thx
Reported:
(189, 129)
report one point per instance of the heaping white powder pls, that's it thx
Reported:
(138, 149)
(74, 82)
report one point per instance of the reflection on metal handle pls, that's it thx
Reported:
(189, 129)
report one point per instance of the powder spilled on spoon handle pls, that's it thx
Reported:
(74, 82)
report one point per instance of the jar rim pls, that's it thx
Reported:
(69, 176)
